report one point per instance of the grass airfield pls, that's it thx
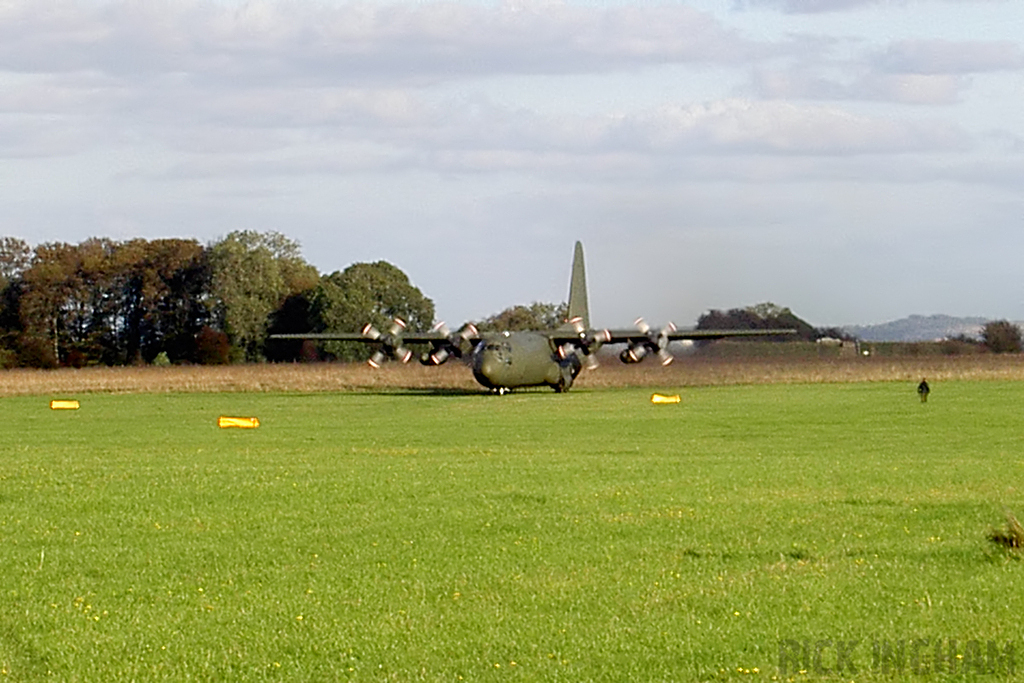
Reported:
(459, 536)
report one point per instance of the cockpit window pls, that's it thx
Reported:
(501, 350)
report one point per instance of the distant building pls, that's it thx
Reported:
(847, 349)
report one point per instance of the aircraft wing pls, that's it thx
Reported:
(623, 336)
(642, 340)
(407, 337)
(636, 336)
(444, 344)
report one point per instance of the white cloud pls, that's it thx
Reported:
(455, 139)
(913, 89)
(271, 42)
(915, 72)
(940, 57)
(784, 128)
(809, 6)
(822, 6)
(24, 138)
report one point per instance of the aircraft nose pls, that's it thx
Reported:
(487, 365)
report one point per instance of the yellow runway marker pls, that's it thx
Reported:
(64, 405)
(662, 399)
(239, 422)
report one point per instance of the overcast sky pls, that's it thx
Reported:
(855, 160)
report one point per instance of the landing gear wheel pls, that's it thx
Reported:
(564, 381)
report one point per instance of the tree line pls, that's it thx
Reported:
(178, 301)
(996, 336)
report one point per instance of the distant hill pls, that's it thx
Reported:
(918, 328)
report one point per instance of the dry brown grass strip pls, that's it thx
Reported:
(320, 377)
(697, 371)
(313, 377)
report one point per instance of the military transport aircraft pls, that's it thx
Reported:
(502, 361)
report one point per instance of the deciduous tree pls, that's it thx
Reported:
(1001, 336)
(252, 275)
(162, 285)
(112, 302)
(536, 316)
(15, 258)
(375, 293)
(62, 301)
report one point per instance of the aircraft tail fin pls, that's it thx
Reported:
(578, 305)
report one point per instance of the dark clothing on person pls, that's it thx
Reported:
(922, 390)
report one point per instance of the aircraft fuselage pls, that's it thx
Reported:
(522, 359)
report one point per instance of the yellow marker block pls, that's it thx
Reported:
(240, 422)
(662, 399)
(64, 405)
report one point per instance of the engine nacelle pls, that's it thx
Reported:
(438, 356)
(390, 343)
(449, 345)
(634, 354)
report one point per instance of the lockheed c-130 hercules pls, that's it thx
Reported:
(502, 361)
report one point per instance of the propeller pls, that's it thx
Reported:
(390, 343)
(656, 342)
(589, 342)
(450, 346)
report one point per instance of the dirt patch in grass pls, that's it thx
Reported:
(319, 377)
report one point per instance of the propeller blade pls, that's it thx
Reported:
(663, 342)
(390, 343)
(397, 327)
(438, 357)
(370, 331)
(637, 352)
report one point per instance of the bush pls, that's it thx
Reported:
(212, 347)
(959, 346)
(1001, 336)
(8, 359)
(36, 352)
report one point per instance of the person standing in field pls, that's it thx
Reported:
(923, 389)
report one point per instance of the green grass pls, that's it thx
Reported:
(590, 536)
